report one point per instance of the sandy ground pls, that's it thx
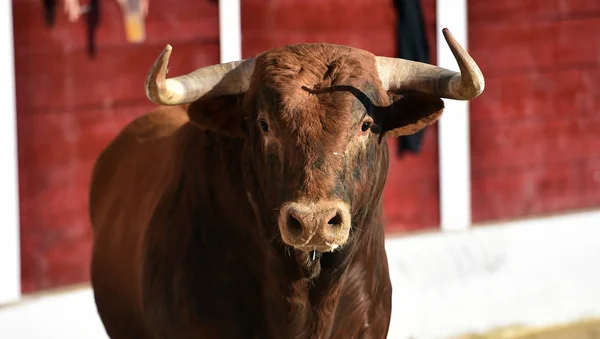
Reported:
(77, 319)
(586, 329)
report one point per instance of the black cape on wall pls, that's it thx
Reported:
(92, 21)
(411, 44)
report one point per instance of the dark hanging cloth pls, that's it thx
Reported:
(49, 12)
(411, 44)
(92, 21)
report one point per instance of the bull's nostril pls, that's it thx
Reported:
(336, 221)
(293, 225)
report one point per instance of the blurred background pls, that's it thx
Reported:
(492, 215)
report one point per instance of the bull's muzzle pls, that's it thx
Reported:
(322, 226)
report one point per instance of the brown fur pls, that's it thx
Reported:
(185, 201)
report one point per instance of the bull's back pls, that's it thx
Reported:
(127, 181)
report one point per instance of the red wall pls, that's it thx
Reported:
(69, 107)
(533, 136)
(535, 132)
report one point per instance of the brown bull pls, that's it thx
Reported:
(250, 204)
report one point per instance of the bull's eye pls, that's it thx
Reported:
(365, 126)
(264, 126)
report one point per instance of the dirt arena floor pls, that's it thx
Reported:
(585, 329)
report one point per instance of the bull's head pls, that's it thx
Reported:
(313, 117)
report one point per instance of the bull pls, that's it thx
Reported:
(249, 203)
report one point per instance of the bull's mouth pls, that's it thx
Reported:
(315, 243)
(318, 245)
(320, 248)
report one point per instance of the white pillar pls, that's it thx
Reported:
(10, 262)
(230, 30)
(453, 127)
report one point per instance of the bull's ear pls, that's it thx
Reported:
(222, 114)
(409, 113)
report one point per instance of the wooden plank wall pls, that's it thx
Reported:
(535, 133)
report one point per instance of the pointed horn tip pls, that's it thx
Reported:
(447, 35)
(157, 74)
(168, 48)
(159, 67)
(165, 55)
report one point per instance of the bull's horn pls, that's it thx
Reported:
(399, 75)
(222, 79)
